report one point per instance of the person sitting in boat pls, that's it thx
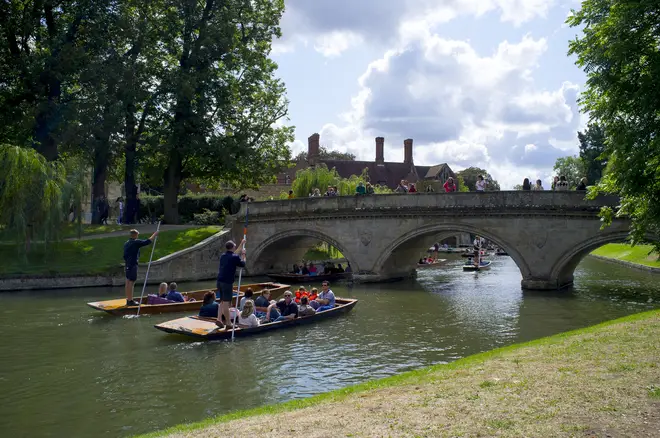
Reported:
(304, 270)
(263, 300)
(348, 268)
(305, 309)
(340, 268)
(248, 296)
(209, 306)
(162, 290)
(247, 318)
(301, 292)
(173, 295)
(313, 295)
(287, 307)
(326, 298)
(295, 270)
(272, 312)
(421, 261)
(312, 269)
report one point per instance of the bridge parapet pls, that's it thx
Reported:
(502, 201)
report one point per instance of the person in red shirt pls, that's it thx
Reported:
(450, 185)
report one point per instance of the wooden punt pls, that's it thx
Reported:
(471, 254)
(205, 328)
(298, 278)
(482, 267)
(435, 264)
(118, 306)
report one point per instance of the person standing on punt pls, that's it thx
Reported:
(131, 257)
(229, 261)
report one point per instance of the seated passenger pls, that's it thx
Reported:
(313, 295)
(305, 309)
(340, 268)
(263, 300)
(326, 299)
(209, 306)
(302, 292)
(312, 269)
(173, 295)
(248, 296)
(348, 268)
(272, 312)
(287, 307)
(247, 318)
(304, 270)
(162, 290)
(295, 269)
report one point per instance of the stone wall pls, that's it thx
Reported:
(199, 262)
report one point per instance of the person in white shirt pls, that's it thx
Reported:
(481, 184)
(247, 318)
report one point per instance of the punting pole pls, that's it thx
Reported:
(146, 276)
(240, 273)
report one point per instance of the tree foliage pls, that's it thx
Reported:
(469, 178)
(619, 51)
(325, 154)
(592, 152)
(572, 167)
(320, 177)
(31, 195)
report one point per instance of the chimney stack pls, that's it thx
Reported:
(313, 149)
(380, 150)
(408, 151)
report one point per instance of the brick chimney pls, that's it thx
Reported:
(408, 151)
(313, 149)
(380, 150)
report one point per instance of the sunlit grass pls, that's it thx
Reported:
(634, 254)
(94, 256)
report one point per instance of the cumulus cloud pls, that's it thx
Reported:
(462, 107)
(333, 26)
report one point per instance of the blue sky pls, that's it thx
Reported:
(482, 83)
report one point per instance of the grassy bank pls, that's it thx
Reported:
(634, 254)
(94, 256)
(599, 381)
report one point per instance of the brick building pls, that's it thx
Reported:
(384, 173)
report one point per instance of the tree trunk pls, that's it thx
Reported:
(48, 119)
(129, 171)
(172, 180)
(99, 178)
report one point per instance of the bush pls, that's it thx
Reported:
(207, 217)
(189, 206)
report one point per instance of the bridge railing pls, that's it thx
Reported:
(529, 200)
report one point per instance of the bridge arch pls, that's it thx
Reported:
(564, 268)
(279, 251)
(402, 253)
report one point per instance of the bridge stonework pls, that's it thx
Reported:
(383, 236)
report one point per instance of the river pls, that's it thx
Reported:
(66, 370)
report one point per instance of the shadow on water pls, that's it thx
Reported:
(90, 374)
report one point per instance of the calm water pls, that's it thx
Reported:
(66, 370)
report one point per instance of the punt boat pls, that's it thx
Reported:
(482, 266)
(153, 305)
(205, 328)
(299, 278)
(435, 264)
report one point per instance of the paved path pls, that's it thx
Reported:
(144, 229)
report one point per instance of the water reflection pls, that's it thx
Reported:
(87, 374)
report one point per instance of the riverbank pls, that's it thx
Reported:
(599, 381)
(637, 257)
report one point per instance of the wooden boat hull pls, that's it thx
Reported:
(297, 279)
(435, 264)
(502, 253)
(118, 306)
(472, 268)
(206, 330)
(470, 254)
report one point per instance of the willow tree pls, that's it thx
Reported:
(31, 192)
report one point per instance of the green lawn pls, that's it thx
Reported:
(634, 254)
(71, 230)
(94, 256)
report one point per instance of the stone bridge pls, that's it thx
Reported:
(545, 233)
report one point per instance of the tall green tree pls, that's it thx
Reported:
(223, 96)
(619, 51)
(592, 152)
(572, 167)
(470, 175)
(44, 47)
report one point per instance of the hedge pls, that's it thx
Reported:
(152, 207)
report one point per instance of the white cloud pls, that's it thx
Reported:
(334, 43)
